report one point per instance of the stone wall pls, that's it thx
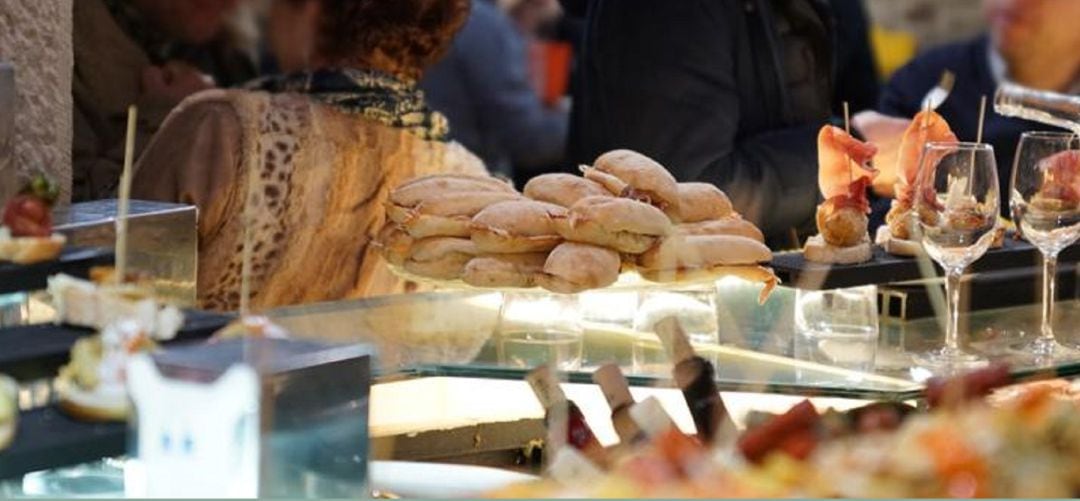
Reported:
(35, 35)
(933, 22)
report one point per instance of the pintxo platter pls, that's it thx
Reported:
(885, 268)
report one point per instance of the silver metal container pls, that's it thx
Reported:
(162, 240)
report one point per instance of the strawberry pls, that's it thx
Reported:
(29, 214)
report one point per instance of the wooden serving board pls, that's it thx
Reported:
(884, 268)
(74, 261)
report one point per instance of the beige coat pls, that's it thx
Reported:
(318, 179)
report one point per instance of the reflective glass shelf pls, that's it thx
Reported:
(460, 334)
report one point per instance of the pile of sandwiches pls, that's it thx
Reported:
(568, 233)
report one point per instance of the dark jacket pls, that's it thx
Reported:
(970, 61)
(731, 92)
(482, 86)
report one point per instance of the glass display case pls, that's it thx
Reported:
(756, 348)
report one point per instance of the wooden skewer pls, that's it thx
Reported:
(124, 197)
(982, 118)
(978, 140)
(847, 128)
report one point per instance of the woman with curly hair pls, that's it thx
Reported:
(308, 158)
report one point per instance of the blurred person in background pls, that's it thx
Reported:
(483, 87)
(142, 52)
(1035, 43)
(310, 156)
(731, 92)
(856, 74)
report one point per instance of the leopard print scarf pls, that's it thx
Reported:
(378, 96)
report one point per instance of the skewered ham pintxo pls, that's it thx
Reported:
(26, 233)
(896, 237)
(1061, 184)
(843, 176)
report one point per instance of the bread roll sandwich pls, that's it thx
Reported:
(423, 188)
(731, 225)
(702, 202)
(630, 174)
(574, 267)
(563, 189)
(690, 257)
(92, 386)
(442, 258)
(622, 224)
(444, 205)
(843, 177)
(505, 270)
(517, 226)
(394, 243)
(26, 235)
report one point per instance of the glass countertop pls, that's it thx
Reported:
(754, 348)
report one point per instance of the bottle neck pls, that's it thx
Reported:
(1046, 107)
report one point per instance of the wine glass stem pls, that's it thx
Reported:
(1049, 282)
(952, 332)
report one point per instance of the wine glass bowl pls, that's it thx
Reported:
(1045, 201)
(958, 201)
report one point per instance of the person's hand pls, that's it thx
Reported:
(174, 81)
(885, 132)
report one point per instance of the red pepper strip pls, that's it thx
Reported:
(953, 391)
(757, 443)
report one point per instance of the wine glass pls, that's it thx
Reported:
(957, 203)
(1045, 202)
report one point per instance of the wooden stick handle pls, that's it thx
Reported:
(674, 338)
(124, 196)
(613, 384)
(545, 386)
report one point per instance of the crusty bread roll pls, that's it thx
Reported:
(633, 175)
(843, 227)
(445, 214)
(702, 202)
(619, 223)
(750, 273)
(731, 225)
(505, 270)
(93, 406)
(575, 267)
(394, 243)
(691, 252)
(517, 226)
(417, 190)
(563, 189)
(818, 251)
(442, 258)
(30, 250)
